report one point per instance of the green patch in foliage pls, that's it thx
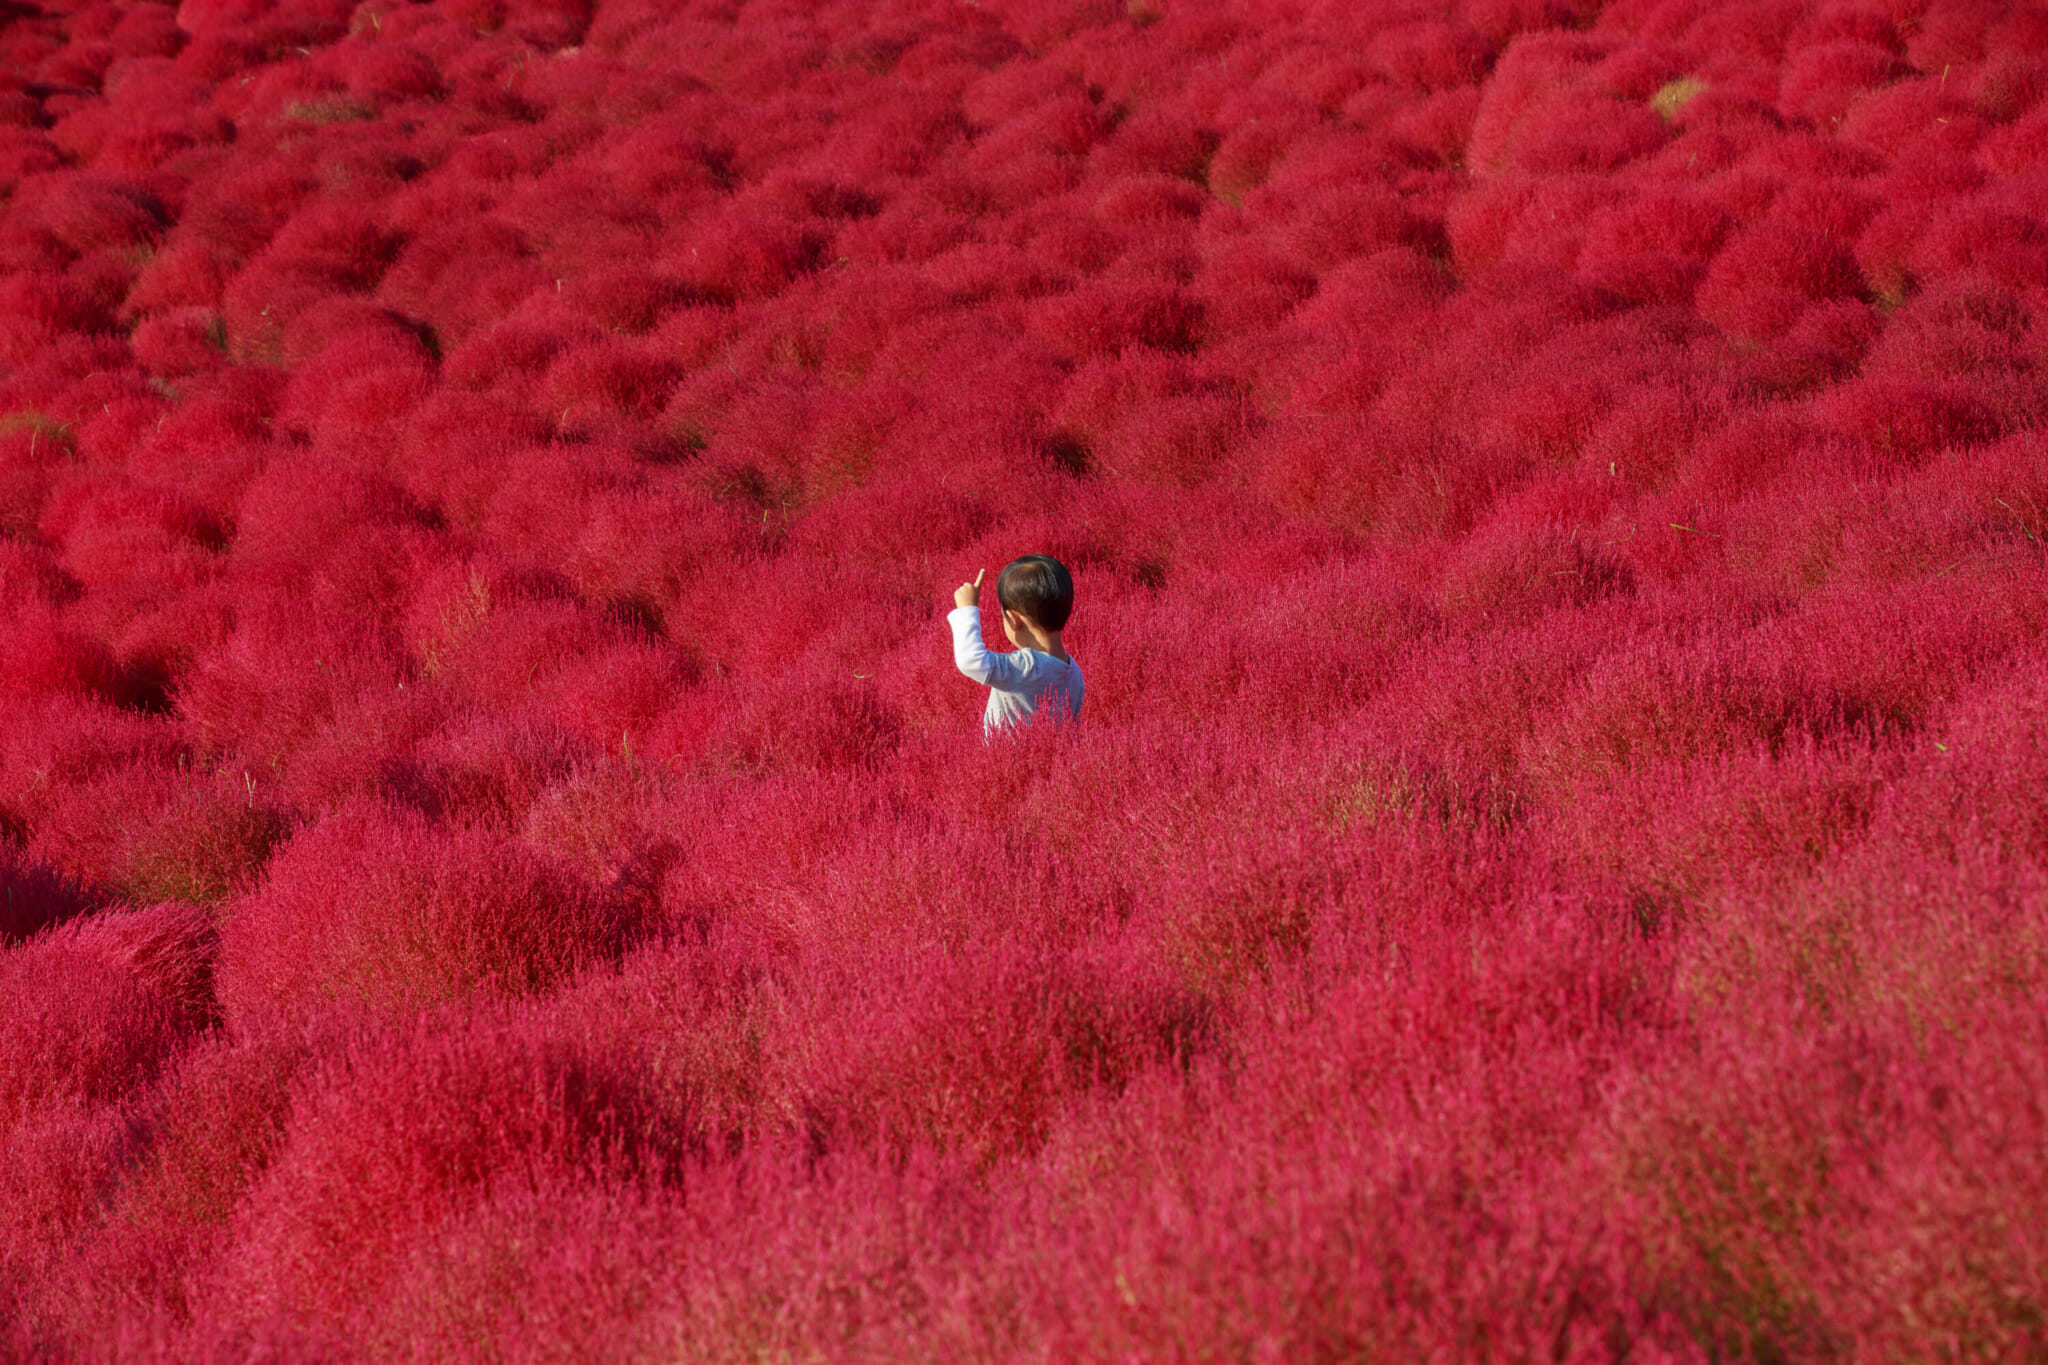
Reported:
(46, 434)
(202, 849)
(326, 109)
(1673, 96)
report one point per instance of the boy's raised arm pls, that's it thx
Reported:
(970, 655)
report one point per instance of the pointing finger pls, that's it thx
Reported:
(977, 577)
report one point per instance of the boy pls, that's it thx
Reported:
(1040, 678)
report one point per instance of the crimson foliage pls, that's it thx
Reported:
(495, 860)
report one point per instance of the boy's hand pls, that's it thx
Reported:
(967, 594)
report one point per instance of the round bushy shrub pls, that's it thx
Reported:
(381, 909)
(98, 1004)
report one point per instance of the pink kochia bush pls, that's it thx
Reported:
(496, 860)
(97, 1004)
(379, 910)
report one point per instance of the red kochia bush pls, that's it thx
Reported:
(1328, 466)
(486, 768)
(1583, 133)
(455, 448)
(867, 307)
(510, 356)
(612, 699)
(1155, 139)
(154, 832)
(44, 658)
(540, 501)
(627, 298)
(1037, 1033)
(1387, 298)
(1105, 316)
(1928, 113)
(606, 381)
(1015, 89)
(337, 239)
(1975, 789)
(1550, 224)
(913, 227)
(1430, 53)
(1479, 223)
(738, 255)
(497, 155)
(1147, 198)
(1820, 83)
(1535, 70)
(333, 346)
(459, 276)
(213, 442)
(890, 520)
(55, 1171)
(380, 909)
(1073, 242)
(1667, 223)
(2008, 85)
(980, 272)
(664, 154)
(1906, 419)
(221, 1111)
(86, 212)
(96, 1005)
(1247, 286)
(1152, 416)
(1511, 568)
(820, 722)
(52, 300)
(1325, 226)
(301, 510)
(1842, 24)
(1964, 324)
(261, 303)
(186, 272)
(2016, 150)
(381, 71)
(1245, 157)
(548, 23)
(902, 138)
(202, 17)
(1760, 281)
(107, 529)
(50, 746)
(2003, 243)
(498, 642)
(407, 1130)
(283, 672)
(33, 897)
(181, 342)
(30, 576)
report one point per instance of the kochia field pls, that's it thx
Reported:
(496, 860)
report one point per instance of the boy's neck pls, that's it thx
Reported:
(1029, 636)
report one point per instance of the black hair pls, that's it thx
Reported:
(1038, 588)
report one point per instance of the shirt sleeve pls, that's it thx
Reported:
(1000, 671)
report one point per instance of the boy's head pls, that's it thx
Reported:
(1038, 588)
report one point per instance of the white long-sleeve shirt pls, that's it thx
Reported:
(1020, 684)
